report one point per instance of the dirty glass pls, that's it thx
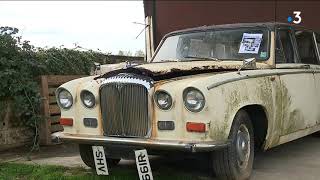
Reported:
(286, 45)
(306, 48)
(223, 44)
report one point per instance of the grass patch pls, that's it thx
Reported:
(10, 171)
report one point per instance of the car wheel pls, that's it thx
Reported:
(236, 160)
(87, 157)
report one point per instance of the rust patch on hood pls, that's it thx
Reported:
(168, 70)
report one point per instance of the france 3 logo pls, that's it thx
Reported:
(297, 18)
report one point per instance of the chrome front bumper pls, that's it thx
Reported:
(203, 146)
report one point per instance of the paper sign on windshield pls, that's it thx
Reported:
(250, 43)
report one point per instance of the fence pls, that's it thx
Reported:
(49, 107)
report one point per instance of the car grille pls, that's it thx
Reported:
(124, 108)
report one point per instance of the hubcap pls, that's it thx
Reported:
(243, 146)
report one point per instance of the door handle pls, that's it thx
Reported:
(306, 66)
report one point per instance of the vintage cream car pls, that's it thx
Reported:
(227, 90)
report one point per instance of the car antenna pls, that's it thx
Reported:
(145, 27)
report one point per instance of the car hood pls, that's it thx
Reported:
(167, 70)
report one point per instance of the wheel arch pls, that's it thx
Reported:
(259, 120)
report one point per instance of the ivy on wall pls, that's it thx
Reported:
(21, 64)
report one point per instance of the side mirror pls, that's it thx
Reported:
(249, 63)
(97, 68)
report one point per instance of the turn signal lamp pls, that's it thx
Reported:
(66, 121)
(196, 127)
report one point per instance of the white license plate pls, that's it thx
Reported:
(100, 160)
(143, 165)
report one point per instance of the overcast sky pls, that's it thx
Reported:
(107, 25)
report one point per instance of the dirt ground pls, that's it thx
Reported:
(296, 160)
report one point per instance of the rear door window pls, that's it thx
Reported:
(285, 43)
(306, 47)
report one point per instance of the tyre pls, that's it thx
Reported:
(236, 160)
(87, 157)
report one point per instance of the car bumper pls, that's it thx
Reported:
(202, 146)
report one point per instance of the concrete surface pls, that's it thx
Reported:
(296, 160)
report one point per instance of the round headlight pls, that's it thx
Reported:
(88, 99)
(193, 99)
(65, 99)
(163, 100)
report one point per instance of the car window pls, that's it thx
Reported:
(306, 48)
(284, 42)
(223, 44)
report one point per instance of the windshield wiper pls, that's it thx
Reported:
(203, 58)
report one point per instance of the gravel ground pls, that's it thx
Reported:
(296, 160)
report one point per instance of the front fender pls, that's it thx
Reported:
(228, 98)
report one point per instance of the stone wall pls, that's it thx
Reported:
(13, 133)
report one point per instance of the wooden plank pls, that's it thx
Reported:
(45, 125)
(54, 109)
(56, 128)
(52, 100)
(57, 80)
(55, 119)
(52, 91)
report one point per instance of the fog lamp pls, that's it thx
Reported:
(90, 122)
(165, 125)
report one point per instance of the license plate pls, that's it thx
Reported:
(100, 160)
(143, 165)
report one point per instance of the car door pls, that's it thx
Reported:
(297, 83)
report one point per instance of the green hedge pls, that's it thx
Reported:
(21, 64)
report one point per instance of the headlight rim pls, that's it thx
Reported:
(58, 91)
(156, 99)
(81, 98)
(185, 91)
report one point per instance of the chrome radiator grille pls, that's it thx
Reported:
(124, 108)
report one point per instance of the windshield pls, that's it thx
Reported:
(222, 44)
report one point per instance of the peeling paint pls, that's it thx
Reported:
(167, 70)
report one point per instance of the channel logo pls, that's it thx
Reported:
(296, 19)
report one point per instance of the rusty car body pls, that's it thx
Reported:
(218, 104)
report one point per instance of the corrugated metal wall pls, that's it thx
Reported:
(174, 15)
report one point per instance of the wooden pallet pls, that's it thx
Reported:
(49, 107)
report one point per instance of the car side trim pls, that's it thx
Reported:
(242, 77)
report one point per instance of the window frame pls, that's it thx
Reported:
(293, 42)
(296, 44)
(316, 45)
